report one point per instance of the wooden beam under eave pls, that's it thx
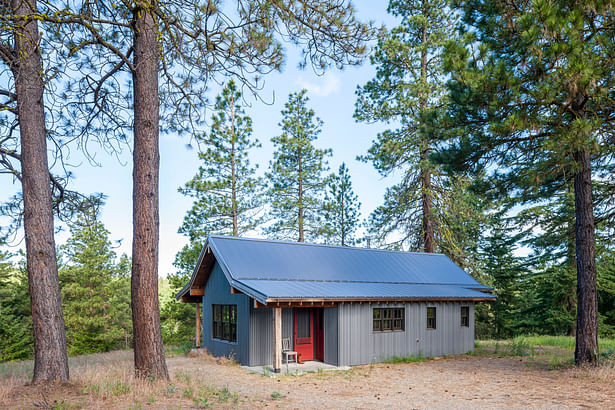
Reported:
(277, 339)
(236, 291)
(198, 326)
(197, 292)
(258, 304)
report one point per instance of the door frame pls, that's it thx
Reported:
(319, 334)
(305, 345)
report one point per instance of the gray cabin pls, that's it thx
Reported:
(340, 305)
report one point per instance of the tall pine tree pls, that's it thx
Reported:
(227, 199)
(408, 90)
(95, 289)
(225, 189)
(342, 210)
(296, 181)
(531, 91)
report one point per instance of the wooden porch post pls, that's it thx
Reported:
(198, 325)
(277, 339)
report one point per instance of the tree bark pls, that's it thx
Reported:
(342, 196)
(426, 200)
(586, 350)
(50, 358)
(300, 199)
(233, 170)
(428, 232)
(148, 350)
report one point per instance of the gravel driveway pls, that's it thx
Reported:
(457, 382)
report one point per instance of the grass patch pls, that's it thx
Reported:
(411, 358)
(546, 352)
(277, 395)
(183, 349)
(209, 395)
(522, 345)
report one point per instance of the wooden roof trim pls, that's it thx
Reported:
(315, 301)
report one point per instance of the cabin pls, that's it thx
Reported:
(339, 305)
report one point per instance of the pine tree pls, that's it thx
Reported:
(408, 90)
(95, 290)
(227, 200)
(530, 92)
(552, 262)
(16, 337)
(178, 318)
(504, 273)
(175, 49)
(296, 181)
(225, 189)
(342, 210)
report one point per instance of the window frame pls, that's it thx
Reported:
(466, 322)
(224, 323)
(432, 322)
(388, 320)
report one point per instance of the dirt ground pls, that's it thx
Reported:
(455, 382)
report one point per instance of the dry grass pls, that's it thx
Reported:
(605, 372)
(200, 380)
(108, 379)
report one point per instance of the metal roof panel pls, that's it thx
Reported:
(254, 259)
(282, 289)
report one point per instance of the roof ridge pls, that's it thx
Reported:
(325, 245)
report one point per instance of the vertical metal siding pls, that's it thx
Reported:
(358, 344)
(288, 324)
(331, 335)
(218, 291)
(261, 334)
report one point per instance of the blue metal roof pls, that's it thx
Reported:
(282, 289)
(266, 269)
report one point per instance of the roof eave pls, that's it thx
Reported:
(186, 288)
(380, 299)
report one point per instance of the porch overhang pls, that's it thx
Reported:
(333, 302)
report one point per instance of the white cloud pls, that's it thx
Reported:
(328, 84)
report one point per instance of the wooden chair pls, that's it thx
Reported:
(286, 352)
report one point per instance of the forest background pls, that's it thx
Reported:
(481, 216)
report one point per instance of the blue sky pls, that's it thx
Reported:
(332, 97)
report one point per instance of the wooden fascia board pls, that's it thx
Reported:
(315, 302)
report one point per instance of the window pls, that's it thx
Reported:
(388, 319)
(225, 322)
(465, 316)
(431, 318)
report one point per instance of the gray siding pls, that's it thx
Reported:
(331, 335)
(261, 334)
(218, 291)
(358, 344)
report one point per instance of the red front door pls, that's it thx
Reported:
(304, 333)
(320, 335)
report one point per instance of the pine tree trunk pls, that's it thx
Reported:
(428, 233)
(233, 169)
(300, 199)
(343, 222)
(586, 350)
(148, 351)
(50, 358)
